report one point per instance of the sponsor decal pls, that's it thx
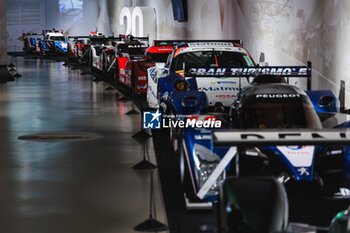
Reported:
(224, 82)
(343, 192)
(211, 44)
(166, 95)
(251, 71)
(276, 96)
(225, 96)
(142, 78)
(303, 171)
(202, 137)
(296, 147)
(142, 86)
(218, 88)
(298, 156)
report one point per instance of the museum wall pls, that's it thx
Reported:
(289, 32)
(76, 17)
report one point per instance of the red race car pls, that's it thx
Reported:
(160, 50)
(131, 64)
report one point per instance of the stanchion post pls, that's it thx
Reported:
(144, 164)
(142, 134)
(151, 224)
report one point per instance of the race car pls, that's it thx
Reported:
(200, 54)
(131, 64)
(100, 46)
(53, 42)
(30, 42)
(306, 167)
(160, 50)
(78, 48)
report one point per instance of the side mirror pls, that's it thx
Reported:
(262, 57)
(262, 61)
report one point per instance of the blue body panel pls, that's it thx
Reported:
(59, 47)
(45, 47)
(203, 137)
(177, 99)
(32, 42)
(315, 97)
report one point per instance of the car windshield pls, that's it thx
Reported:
(290, 112)
(58, 38)
(212, 58)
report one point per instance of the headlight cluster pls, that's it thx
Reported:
(206, 162)
(205, 170)
(181, 84)
(254, 151)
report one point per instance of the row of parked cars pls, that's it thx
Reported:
(267, 126)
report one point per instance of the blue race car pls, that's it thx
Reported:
(54, 42)
(269, 103)
(31, 42)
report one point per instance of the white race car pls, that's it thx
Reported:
(219, 90)
(99, 44)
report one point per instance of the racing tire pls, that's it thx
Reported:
(76, 54)
(68, 51)
(104, 63)
(41, 49)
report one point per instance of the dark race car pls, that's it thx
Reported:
(306, 167)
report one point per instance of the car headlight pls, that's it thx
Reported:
(254, 152)
(206, 162)
(180, 84)
(334, 150)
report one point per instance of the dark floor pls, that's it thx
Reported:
(83, 186)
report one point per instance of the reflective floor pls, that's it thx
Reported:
(83, 186)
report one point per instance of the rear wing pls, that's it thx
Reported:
(235, 138)
(163, 43)
(228, 138)
(51, 31)
(77, 37)
(284, 71)
(30, 34)
(99, 38)
(132, 38)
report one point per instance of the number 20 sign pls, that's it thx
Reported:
(139, 21)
